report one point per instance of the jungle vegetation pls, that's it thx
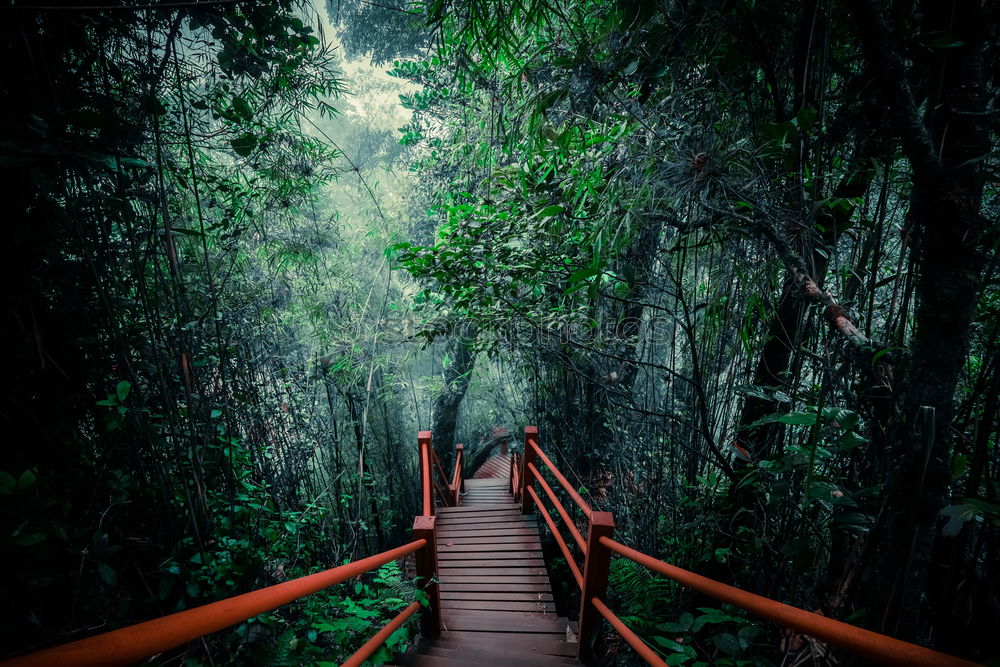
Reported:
(737, 259)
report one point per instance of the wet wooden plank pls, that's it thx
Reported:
(443, 548)
(525, 643)
(536, 571)
(504, 605)
(477, 520)
(474, 524)
(460, 655)
(499, 507)
(498, 587)
(514, 596)
(500, 532)
(529, 540)
(495, 579)
(486, 555)
(500, 621)
(513, 561)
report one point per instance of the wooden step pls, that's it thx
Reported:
(480, 524)
(541, 587)
(514, 642)
(499, 507)
(515, 560)
(472, 620)
(469, 531)
(497, 657)
(487, 555)
(503, 605)
(515, 596)
(506, 571)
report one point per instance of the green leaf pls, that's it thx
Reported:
(583, 274)
(675, 646)
(108, 574)
(216, 414)
(241, 107)
(7, 483)
(957, 515)
(746, 636)
(959, 466)
(850, 440)
(422, 598)
(244, 145)
(798, 418)
(123, 389)
(26, 480)
(29, 540)
(726, 643)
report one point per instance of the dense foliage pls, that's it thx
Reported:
(737, 259)
(748, 250)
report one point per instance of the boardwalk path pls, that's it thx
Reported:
(496, 602)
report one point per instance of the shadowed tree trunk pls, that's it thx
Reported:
(461, 359)
(945, 149)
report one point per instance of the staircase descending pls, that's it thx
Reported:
(496, 602)
(479, 564)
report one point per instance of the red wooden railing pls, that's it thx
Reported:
(433, 478)
(137, 642)
(598, 548)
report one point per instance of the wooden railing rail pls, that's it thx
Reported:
(531, 451)
(134, 643)
(380, 637)
(593, 581)
(861, 642)
(140, 641)
(570, 561)
(630, 637)
(456, 478)
(515, 476)
(574, 531)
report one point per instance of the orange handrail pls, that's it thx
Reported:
(593, 582)
(380, 637)
(577, 498)
(138, 642)
(456, 478)
(633, 639)
(559, 508)
(865, 643)
(559, 539)
(438, 467)
(515, 488)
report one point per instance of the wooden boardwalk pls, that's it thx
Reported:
(496, 602)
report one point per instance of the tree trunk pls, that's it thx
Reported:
(945, 150)
(457, 373)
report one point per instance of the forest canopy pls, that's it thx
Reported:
(736, 259)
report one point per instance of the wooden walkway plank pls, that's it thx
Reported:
(512, 596)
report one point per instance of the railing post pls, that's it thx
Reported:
(427, 567)
(595, 580)
(514, 482)
(459, 481)
(424, 451)
(527, 477)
